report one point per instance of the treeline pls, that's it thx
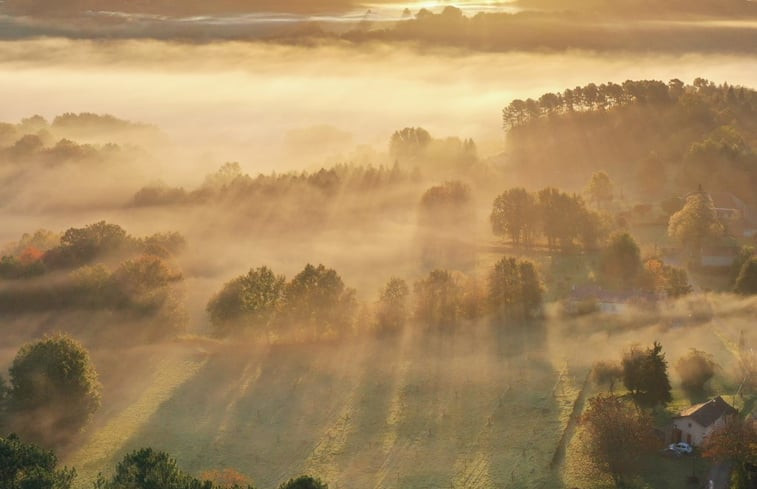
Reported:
(317, 304)
(559, 217)
(559, 30)
(601, 97)
(85, 125)
(97, 268)
(659, 139)
(44, 251)
(27, 466)
(229, 184)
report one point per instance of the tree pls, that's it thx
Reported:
(672, 281)
(620, 263)
(514, 214)
(600, 189)
(447, 218)
(150, 469)
(736, 441)
(695, 223)
(515, 291)
(438, 299)
(409, 142)
(645, 375)
(304, 482)
(250, 301)
(606, 373)
(54, 389)
(695, 369)
(746, 282)
(79, 246)
(317, 298)
(26, 466)
(617, 436)
(391, 312)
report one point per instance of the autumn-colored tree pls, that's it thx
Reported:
(695, 223)
(735, 441)
(227, 477)
(616, 436)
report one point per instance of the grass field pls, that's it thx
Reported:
(479, 408)
(443, 411)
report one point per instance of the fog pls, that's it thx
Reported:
(379, 161)
(238, 101)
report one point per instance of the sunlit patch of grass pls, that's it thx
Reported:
(97, 454)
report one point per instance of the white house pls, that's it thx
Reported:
(694, 424)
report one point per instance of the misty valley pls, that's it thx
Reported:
(296, 245)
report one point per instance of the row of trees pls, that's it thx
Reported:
(604, 96)
(559, 217)
(317, 301)
(45, 251)
(27, 466)
(593, 97)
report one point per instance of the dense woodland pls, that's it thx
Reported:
(659, 139)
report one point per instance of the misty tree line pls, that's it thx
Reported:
(98, 267)
(604, 96)
(28, 466)
(559, 217)
(317, 303)
(231, 184)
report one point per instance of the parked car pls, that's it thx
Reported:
(681, 447)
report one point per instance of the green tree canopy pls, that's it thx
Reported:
(514, 214)
(26, 466)
(317, 298)
(54, 389)
(249, 301)
(304, 482)
(151, 469)
(645, 375)
(620, 263)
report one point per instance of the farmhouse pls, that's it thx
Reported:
(694, 424)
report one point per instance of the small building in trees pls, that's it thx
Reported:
(719, 256)
(694, 424)
(594, 298)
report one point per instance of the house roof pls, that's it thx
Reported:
(708, 412)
